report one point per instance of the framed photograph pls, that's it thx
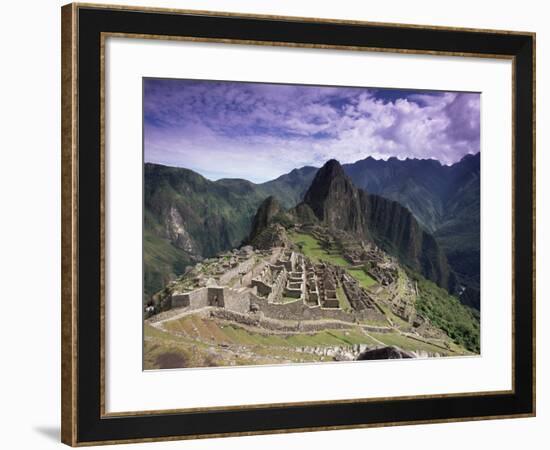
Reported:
(282, 224)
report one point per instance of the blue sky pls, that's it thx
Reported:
(259, 131)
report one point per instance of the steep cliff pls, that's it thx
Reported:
(334, 199)
(444, 199)
(338, 204)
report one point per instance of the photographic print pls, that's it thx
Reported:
(289, 224)
(291, 197)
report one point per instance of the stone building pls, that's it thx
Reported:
(278, 282)
(218, 296)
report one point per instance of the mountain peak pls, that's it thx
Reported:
(324, 181)
(267, 210)
(470, 157)
(332, 169)
(333, 198)
(332, 164)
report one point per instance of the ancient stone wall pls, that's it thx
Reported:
(244, 267)
(236, 301)
(278, 287)
(180, 300)
(276, 254)
(293, 259)
(299, 311)
(288, 260)
(261, 321)
(216, 296)
(262, 288)
(330, 300)
(246, 279)
(222, 297)
(194, 299)
(263, 281)
(293, 291)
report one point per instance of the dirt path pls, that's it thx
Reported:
(374, 339)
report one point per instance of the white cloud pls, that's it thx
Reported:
(259, 132)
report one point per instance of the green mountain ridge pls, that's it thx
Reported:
(188, 218)
(444, 199)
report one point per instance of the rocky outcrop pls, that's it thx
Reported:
(384, 353)
(334, 200)
(178, 234)
(269, 208)
(304, 214)
(273, 235)
(397, 231)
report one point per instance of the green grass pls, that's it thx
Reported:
(152, 332)
(194, 328)
(406, 343)
(162, 261)
(343, 300)
(324, 338)
(396, 320)
(362, 277)
(446, 312)
(158, 342)
(311, 247)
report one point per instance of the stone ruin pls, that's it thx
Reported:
(360, 254)
(235, 279)
(358, 297)
(218, 296)
(280, 284)
(403, 302)
(293, 276)
(384, 273)
(256, 281)
(327, 284)
(280, 278)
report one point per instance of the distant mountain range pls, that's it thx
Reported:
(444, 199)
(187, 217)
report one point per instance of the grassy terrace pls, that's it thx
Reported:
(313, 250)
(164, 350)
(362, 277)
(343, 300)
(396, 320)
(211, 331)
(407, 343)
(195, 342)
